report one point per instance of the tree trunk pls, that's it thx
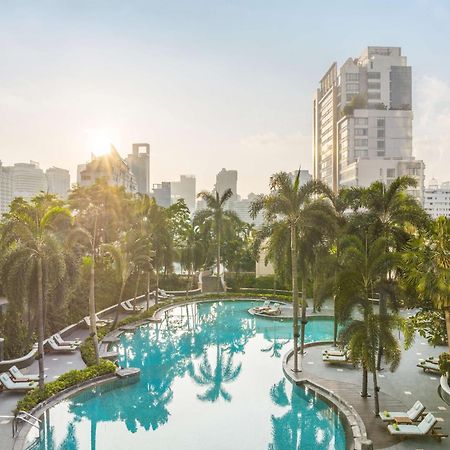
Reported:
(383, 313)
(188, 282)
(364, 383)
(157, 286)
(335, 324)
(294, 293)
(92, 316)
(375, 392)
(304, 319)
(148, 290)
(218, 259)
(447, 324)
(116, 317)
(40, 298)
(136, 290)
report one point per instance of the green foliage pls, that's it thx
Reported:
(431, 326)
(87, 347)
(67, 380)
(444, 363)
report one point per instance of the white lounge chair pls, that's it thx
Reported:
(263, 307)
(273, 311)
(413, 413)
(60, 341)
(12, 385)
(334, 352)
(428, 366)
(99, 322)
(336, 358)
(163, 294)
(132, 307)
(18, 376)
(60, 348)
(424, 428)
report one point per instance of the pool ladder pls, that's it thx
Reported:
(24, 417)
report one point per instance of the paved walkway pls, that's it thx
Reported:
(399, 391)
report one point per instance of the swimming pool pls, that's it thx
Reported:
(210, 378)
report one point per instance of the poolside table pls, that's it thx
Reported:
(403, 420)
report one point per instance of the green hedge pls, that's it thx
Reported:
(87, 347)
(36, 396)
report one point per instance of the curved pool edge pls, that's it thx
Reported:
(354, 426)
(40, 409)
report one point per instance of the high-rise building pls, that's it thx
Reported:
(6, 187)
(139, 163)
(436, 201)
(227, 179)
(305, 176)
(362, 122)
(162, 194)
(28, 180)
(186, 189)
(110, 167)
(58, 181)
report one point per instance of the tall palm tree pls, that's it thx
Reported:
(427, 262)
(129, 253)
(389, 209)
(215, 217)
(31, 234)
(292, 204)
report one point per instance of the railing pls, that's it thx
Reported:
(24, 417)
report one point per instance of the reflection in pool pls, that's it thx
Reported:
(211, 377)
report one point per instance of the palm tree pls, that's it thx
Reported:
(363, 268)
(30, 232)
(389, 209)
(215, 217)
(292, 204)
(427, 262)
(129, 253)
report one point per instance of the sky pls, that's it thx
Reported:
(209, 84)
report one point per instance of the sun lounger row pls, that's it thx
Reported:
(431, 364)
(100, 322)
(268, 309)
(402, 423)
(53, 345)
(128, 306)
(335, 355)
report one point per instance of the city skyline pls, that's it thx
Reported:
(244, 93)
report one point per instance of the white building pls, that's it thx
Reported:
(227, 179)
(139, 163)
(58, 181)
(185, 188)
(110, 167)
(6, 187)
(362, 122)
(437, 199)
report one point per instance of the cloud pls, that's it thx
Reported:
(432, 127)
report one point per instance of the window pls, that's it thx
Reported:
(373, 75)
(380, 145)
(381, 153)
(374, 95)
(390, 173)
(352, 87)
(360, 131)
(361, 121)
(352, 76)
(374, 85)
(380, 122)
(380, 133)
(361, 142)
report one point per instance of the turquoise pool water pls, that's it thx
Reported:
(211, 378)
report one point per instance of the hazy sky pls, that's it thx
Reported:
(209, 84)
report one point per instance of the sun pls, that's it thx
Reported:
(99, 141)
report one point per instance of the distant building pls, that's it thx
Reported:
(6, 187)
(263, 267)
(437, 199)
(241, 207)
(186, 189)
(110, 167)
(162, 194)
(58, 181)
(227, 179)
(28, 180)
(139, 164)
(305, 176)
(362, 122)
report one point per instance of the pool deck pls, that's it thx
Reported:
(399, 390)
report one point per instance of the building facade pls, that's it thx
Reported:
(227, 179)
(362, 122)
(110, 167)
(162, 194)
(139, 163)
(58, 181)
(437, 199)
(185, 188)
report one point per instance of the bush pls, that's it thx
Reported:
(444, 363)
(72, 378)
(87, 347)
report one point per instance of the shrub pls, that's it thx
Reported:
(87, 347)
(72, 378)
